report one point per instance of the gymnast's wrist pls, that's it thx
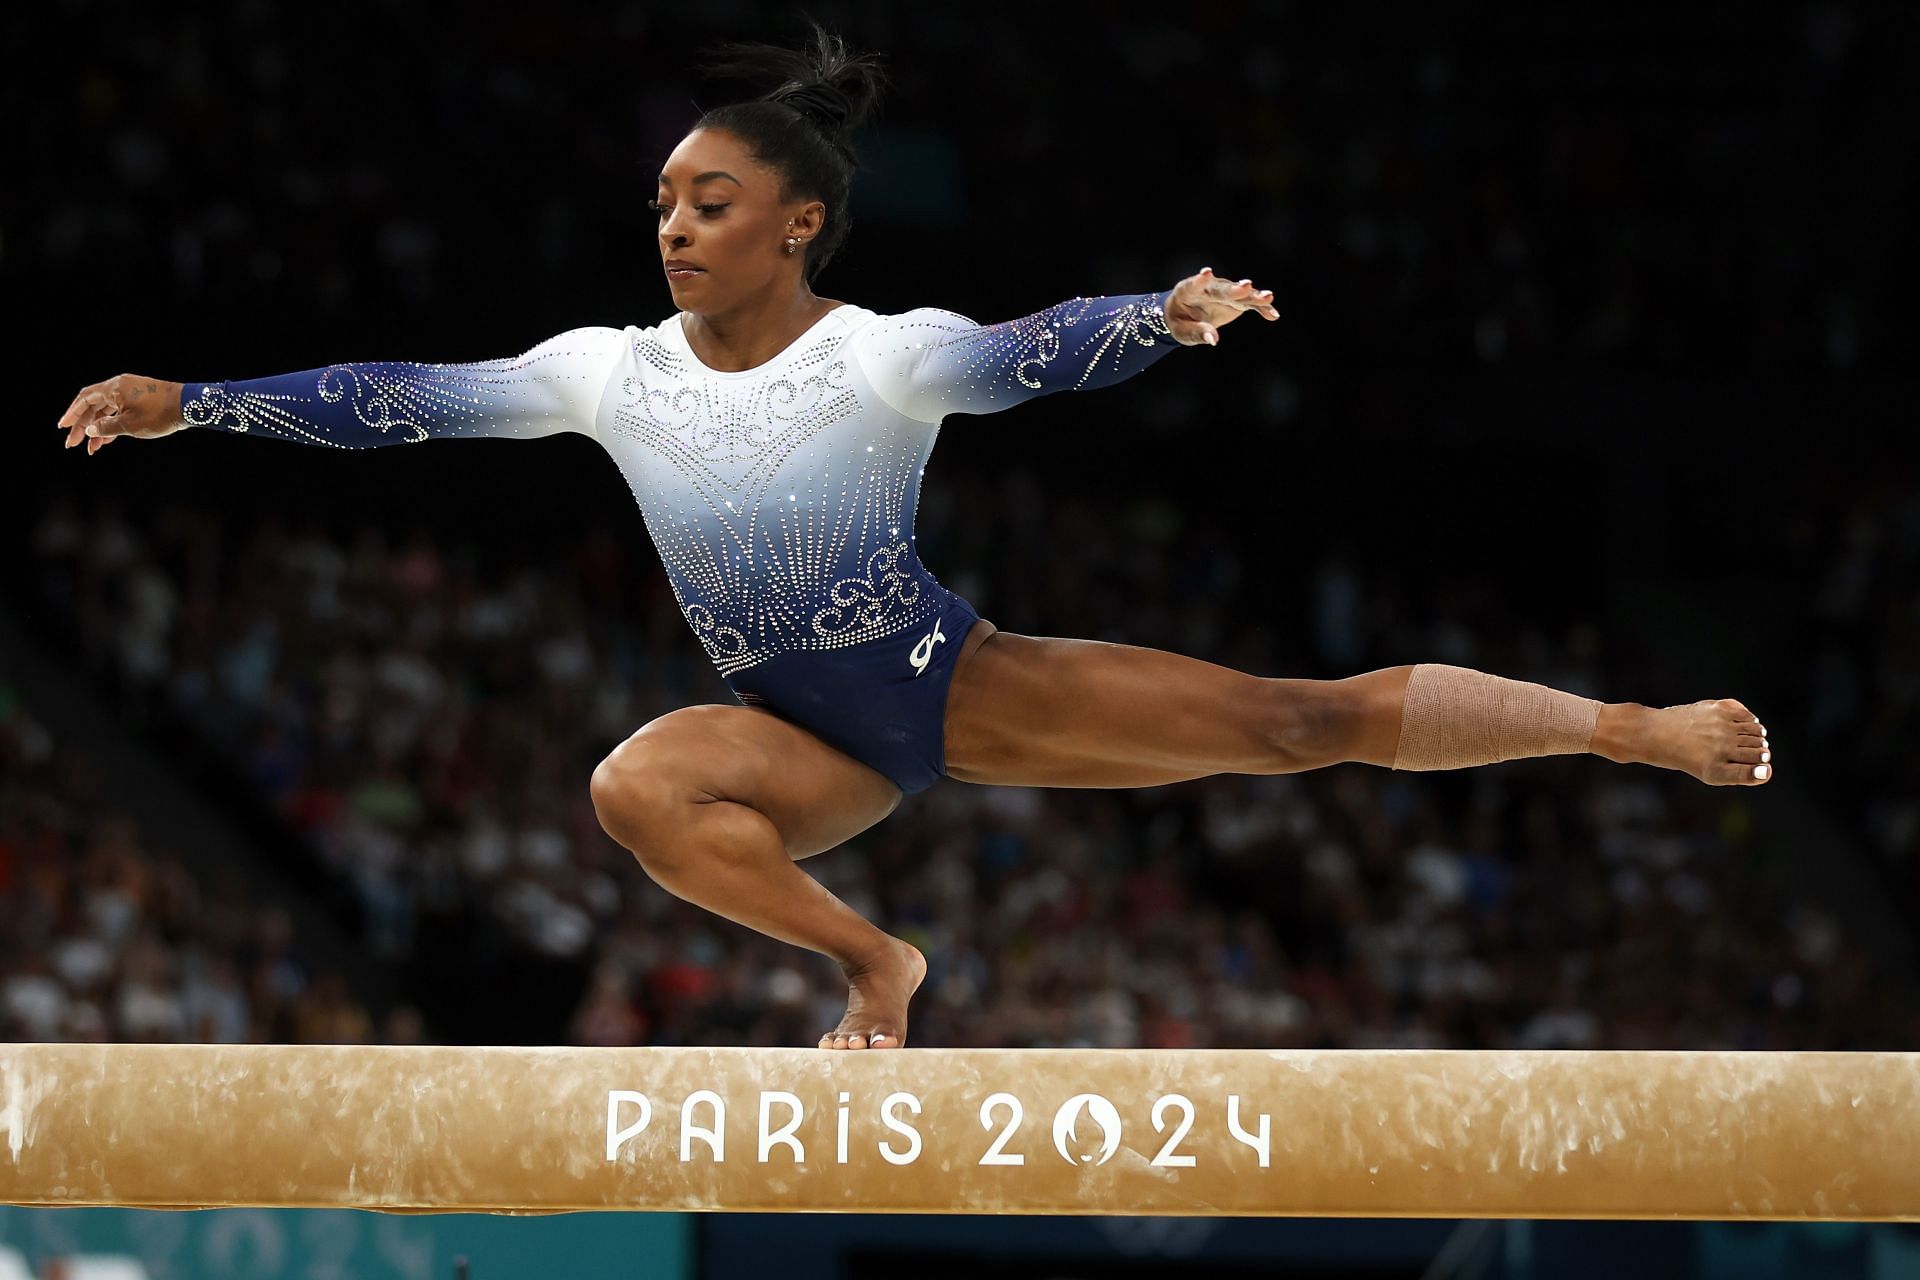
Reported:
(1159, 323)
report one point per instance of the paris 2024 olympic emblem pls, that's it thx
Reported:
(783, 1115)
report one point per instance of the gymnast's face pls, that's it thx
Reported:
(720, 211)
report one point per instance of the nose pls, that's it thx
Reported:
(669, 236)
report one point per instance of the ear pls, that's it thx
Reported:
(812, 217)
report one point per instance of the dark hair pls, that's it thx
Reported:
(801, 128)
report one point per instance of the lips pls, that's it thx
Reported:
(680, 269)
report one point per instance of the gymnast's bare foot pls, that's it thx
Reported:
(877, 996)
(1717, 740)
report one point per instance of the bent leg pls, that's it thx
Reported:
(718, 802)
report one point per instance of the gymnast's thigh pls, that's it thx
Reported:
(1045, 711)
(815, 795)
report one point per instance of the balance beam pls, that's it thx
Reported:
(1372, 1133)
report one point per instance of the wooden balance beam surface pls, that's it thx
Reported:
(1375, 1133)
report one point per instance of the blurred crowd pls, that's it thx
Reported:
(109, 937)
(423, 704)
(1529, 187)
(1858, 569)
(428, 715)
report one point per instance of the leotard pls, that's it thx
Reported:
(779, 498)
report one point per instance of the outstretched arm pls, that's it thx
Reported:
(929, 362)
(554, 387)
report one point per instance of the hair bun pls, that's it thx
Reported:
(822, 103)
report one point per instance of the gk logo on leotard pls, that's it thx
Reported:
(923, 652)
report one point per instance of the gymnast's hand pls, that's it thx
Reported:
(1200, 304)
(128, 405)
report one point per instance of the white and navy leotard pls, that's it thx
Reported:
(780, 498)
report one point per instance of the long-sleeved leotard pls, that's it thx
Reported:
(780, 498)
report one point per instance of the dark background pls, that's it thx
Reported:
(1554, 279)
(1594, 348)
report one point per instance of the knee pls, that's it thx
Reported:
(1313, 723)
(634, 798)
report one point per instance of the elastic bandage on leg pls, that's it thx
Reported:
(1455, 718)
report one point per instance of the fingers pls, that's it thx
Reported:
(1243, 295)
(88, 408)
(76, 412)
(1239, 294)
(91, 416)
(102, 418)
(1198, 305)
(74, 420)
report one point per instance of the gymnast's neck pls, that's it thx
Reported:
(754, 331)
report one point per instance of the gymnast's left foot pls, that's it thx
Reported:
(1717, 740)
(877, 997)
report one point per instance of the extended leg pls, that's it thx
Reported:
(1455, 717)
(1043, 711)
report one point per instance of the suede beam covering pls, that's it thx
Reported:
(1393, 1133)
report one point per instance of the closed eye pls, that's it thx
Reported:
(664, 209)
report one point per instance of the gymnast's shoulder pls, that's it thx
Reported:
(877, 332)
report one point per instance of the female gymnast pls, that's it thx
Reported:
(775, 441)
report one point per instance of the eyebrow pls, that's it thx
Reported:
(702, 177)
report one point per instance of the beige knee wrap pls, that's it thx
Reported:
(1456, 717)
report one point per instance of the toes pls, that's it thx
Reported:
(1750, 754)
(1737, 709)
(859, 1040)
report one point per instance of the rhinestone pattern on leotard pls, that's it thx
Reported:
(780, 498)
(360, 406)
(781, 511)
(949, 364)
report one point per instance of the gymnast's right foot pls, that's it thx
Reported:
(877, 997)
(1717, 740)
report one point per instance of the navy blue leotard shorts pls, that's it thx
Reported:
(883, 702)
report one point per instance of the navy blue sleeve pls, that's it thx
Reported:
(928, 362)
(554, 387)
